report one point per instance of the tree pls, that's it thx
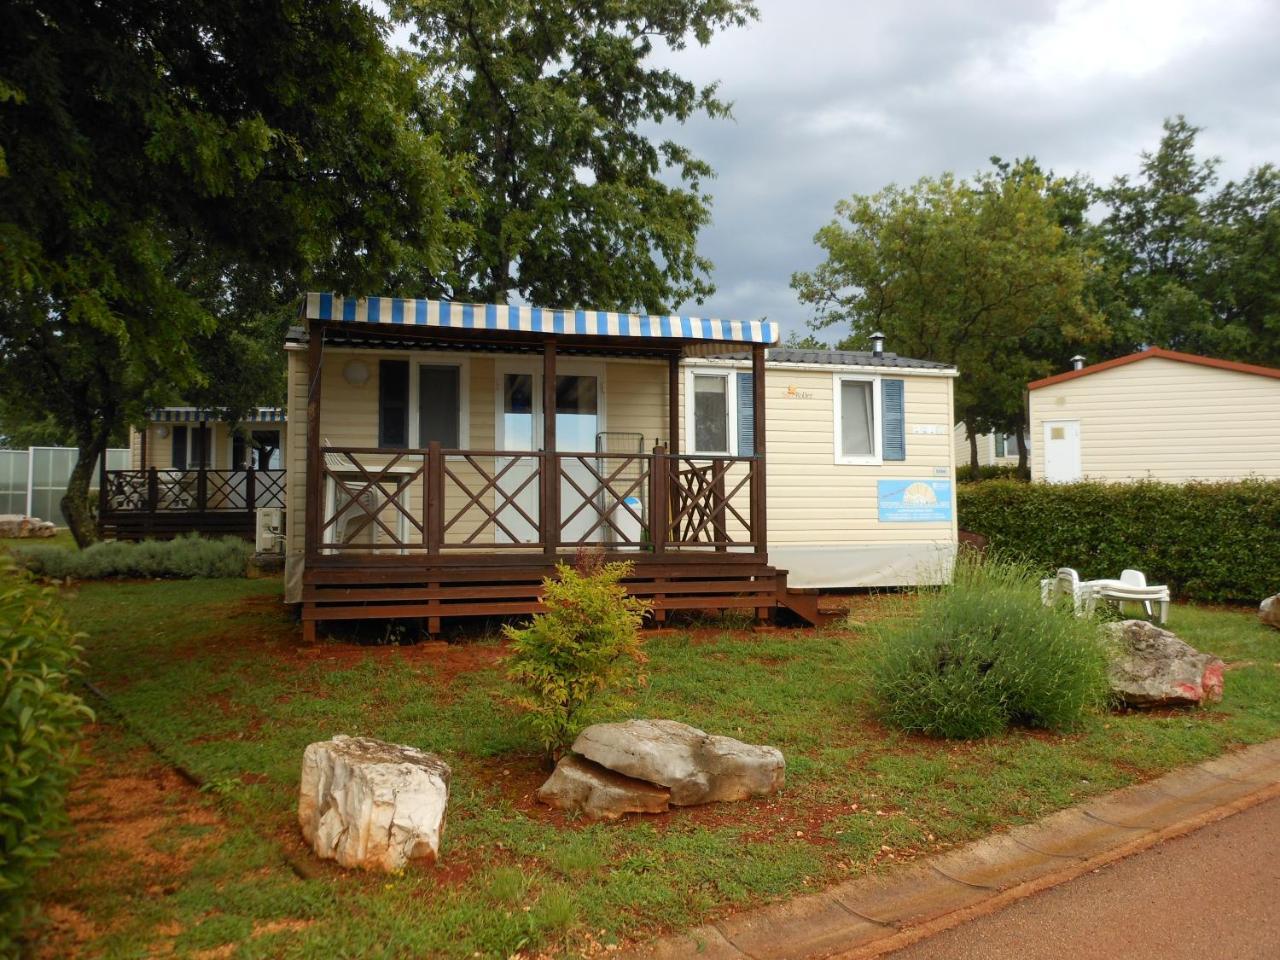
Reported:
(174, 175)
(968, 273)
(575, 203)
(1195, 267)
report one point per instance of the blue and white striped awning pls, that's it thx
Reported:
(591, 323)
(196, 414)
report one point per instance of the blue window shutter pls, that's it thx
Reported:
(894, 420)
(746, 415)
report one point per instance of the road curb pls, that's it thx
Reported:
(875, 915)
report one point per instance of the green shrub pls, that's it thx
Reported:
(585, 645)
(1214, 542)
(989, 471)
(985, 653)
(188, 556)
(40, 720)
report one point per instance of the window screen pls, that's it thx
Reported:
(393, 403)
(438, 405)
(710, 414)
(856, 427)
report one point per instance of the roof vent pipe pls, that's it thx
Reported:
(1077, 362)
(877, 344)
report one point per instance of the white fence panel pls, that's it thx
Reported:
(32, 481)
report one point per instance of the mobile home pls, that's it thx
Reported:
(194, 471)
(425, 481)
(1159, 415)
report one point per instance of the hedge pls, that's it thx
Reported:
(1217, 542)
(187, 556)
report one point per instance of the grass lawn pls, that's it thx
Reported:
(62, 538)
(214, 671)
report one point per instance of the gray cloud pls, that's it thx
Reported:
(833, 98)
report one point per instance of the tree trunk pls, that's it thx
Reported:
(76, 504)
(973, 451)
(1023, 452)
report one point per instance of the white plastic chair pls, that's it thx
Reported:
(1066, 582)
(1133, 586)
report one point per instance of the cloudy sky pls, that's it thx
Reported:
(833, 98)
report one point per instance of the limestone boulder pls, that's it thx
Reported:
(1269, 611)
(15, 525)
(696, 766)
(600, 793)
(371, 804)
(1153, 667)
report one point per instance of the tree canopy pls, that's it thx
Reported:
(172, 176)
(983, 274)
(1195, 266)
(576, 202)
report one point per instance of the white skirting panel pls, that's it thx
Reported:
(835, 566)
(293, 578)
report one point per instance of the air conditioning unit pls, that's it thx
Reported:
(269, 534)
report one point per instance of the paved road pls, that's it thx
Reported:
(1214, 893)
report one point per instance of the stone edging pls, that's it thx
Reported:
(874, 915)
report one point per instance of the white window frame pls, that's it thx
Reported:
(419, 359)
(876, 458)
(565, 367)
(731, 406)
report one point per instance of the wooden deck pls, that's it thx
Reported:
(162, 504)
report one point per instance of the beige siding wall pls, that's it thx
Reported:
(814, 500)
(295, 461)
(160, 449)
(1165, 420)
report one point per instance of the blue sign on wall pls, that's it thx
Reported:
(914, 501)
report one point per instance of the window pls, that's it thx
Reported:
(439, 405)
(178, 450)
(710, 413)
(857, 428)
(393, 403)
(263, 454)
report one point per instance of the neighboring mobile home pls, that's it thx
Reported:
(994, 449)
(195, 472)
(424, 480)
(1159, 415)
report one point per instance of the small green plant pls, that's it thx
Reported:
(40, 721)
(183, 557)
(585, 645)
(985, 653)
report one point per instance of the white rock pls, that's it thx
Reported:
(371, 804)
(1269, 611)
(696, 766)
(599, 793)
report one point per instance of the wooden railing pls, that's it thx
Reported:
(441, 501)
(154, 491)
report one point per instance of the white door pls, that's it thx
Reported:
(1062, 451)
(579, 417)
(519, 428)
